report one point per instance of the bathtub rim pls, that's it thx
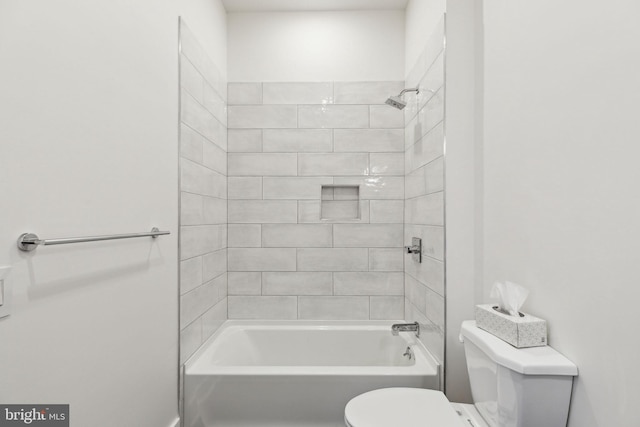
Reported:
(426, 364)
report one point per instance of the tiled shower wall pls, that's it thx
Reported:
(424, 193)
(203, 194)
(296, 250)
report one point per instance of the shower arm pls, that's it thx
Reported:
(415, 89)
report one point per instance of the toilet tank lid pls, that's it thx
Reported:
(528, 361)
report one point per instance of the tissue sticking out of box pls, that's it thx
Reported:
(511, 297)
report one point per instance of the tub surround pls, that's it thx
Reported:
(316, 188)
(203, 194)
(424, 192)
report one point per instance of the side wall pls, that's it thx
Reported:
(89, 142)
(424, 191)
(203, 195)
(561, 185)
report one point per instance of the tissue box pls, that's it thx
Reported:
(523, 331)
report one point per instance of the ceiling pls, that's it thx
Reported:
(301, 5)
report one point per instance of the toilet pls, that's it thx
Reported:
(511, 387)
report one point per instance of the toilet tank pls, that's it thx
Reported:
(517, 387)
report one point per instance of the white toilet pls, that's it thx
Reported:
(511, 387)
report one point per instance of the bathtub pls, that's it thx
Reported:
(297, 373)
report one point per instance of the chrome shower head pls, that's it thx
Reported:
(397, 101)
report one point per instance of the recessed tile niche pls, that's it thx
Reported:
(340, 202)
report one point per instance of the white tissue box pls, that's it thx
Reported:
(523, 331)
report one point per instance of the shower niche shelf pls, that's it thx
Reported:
(340, 202)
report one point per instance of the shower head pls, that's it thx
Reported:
(397, 101)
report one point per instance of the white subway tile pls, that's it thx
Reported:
(244, 188)
(387, 307)
(434, 79)
(263, 307)
(338, 210)
(429, 148)
(429, 273)
(198, 240)
(193, 114)
(415, 292)
(245, 235)
(297, 188)
(425, 210)
(333, 116)
(191, 80)
(190, 144)
(431, 114)
(332, 259)
(309, 211)
(435, 308)
(386, 259)
(432, 239)
(385, 117)
(262, 116)
(190, 339)
(190, 274)
(244, 93)
(214, 104)
(367, 235)
(333, 308)
(245, 283)
(214, 157)
(263, 211)
(375, 187)
(245, 140)
(213, 76)
(369, 140)
(270, 164)
(425, 180)
(214, 264)
(333, 164)
(213, 318)
(190, 47)
(434, 45)
(368, 283)
(297, 283)
(215, 210)
(365, 92)
(387, 211)
(194, 303)
(386, 163)
(191, 209)
(261, 259)
(298, 140)
(297, 93)
(296, 235)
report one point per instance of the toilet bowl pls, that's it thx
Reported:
(511, 387)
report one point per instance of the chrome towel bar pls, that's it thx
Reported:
(29, 241)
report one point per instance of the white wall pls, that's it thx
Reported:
(316, 46)
(562, 85)
(88, 145)
(463, 202)
(207, 19)
(421, 17)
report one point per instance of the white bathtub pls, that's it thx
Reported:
(298, 373)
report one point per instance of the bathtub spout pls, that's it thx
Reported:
(406, 327)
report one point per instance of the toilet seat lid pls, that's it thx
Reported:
(399, 407)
